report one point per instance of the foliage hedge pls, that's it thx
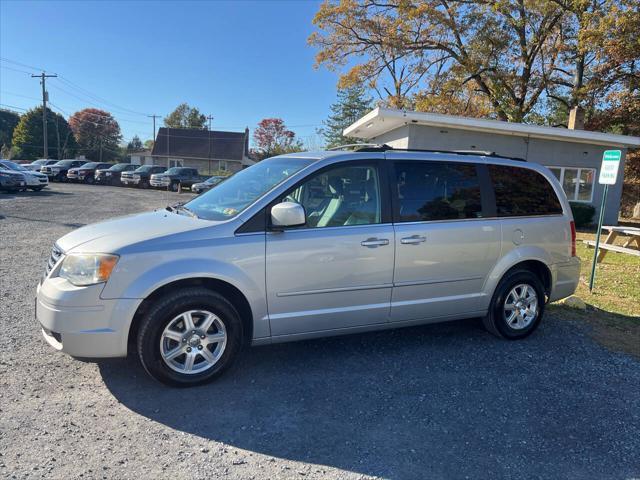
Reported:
(582, 214)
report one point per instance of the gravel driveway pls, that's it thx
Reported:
(440, 401)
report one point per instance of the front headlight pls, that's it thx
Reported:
(87, 268)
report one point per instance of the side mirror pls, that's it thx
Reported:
(288, 214)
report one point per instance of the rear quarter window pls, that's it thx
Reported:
(522, 192)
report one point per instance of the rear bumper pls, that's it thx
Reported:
(565, 279)
(76, 321)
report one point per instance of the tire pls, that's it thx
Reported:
(36, 189)
(519, 326)
(144, 184)
(165, 312)
(174, 186)
(89, 179)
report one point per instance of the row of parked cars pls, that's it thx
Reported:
(37, 175)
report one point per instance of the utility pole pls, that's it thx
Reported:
(154, 116)
(210, 118)
(43, 78)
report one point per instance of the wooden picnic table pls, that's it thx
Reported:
(633, 234)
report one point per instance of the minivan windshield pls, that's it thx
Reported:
(89, 165)
(229, 198)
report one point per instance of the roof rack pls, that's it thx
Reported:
(360, 147)
(377, 147)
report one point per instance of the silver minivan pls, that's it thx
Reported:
(310, 245)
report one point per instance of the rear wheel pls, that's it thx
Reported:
(517, 306)
(189, 337)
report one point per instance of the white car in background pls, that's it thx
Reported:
(34, 180)
(36, 165)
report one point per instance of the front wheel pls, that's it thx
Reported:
(517, 306)
(189, 337)
(174, 186)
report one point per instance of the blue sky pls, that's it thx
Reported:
(238, 61)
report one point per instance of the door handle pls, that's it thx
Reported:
(413, 240)
(374, 242)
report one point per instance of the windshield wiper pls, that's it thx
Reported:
(181, 208)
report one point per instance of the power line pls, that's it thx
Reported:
(13, 106)
(4, 59)
(95, 105)
(15, 69)
(96, 97)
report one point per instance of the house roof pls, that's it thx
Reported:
(382, 120)
(201, 144)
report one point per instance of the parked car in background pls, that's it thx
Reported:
(34, 180)
(141, 176)
(357, 241)
(175, 178)
(86, 173)
(208, 184)
(11, 181)
(111, 175)
(58, 171)
(36, 165)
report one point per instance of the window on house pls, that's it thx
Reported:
(577, 183)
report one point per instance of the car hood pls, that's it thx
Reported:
(13, 173)
(113, 235)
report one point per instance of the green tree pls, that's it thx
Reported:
(148, 144)
(135, 145)
(351, 104)
(8, 122)
(97, 132)
(28, 136)
(185, 116)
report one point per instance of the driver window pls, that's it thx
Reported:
(340, 196)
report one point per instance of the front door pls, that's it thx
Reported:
(335, 272)
(445, 245)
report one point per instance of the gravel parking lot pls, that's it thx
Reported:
(440, 401)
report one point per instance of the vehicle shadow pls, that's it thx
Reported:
(29, 193)
(438, 401)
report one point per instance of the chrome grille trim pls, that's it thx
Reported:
(54, 258)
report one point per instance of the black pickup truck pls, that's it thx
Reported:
(175, 178)
(111, 176)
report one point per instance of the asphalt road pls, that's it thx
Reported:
(440, 401)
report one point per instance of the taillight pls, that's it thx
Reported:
(573, 238)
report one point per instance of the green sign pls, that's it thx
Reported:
(610, 166)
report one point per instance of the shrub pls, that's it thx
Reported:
(582, 214)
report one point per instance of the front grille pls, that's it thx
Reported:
(56, 253)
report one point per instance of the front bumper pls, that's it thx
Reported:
(130, 181)
(11, 184)
(160, 183)
(76, 321)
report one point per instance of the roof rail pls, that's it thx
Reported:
(482, 153)
(377, 147)
(359, 147)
